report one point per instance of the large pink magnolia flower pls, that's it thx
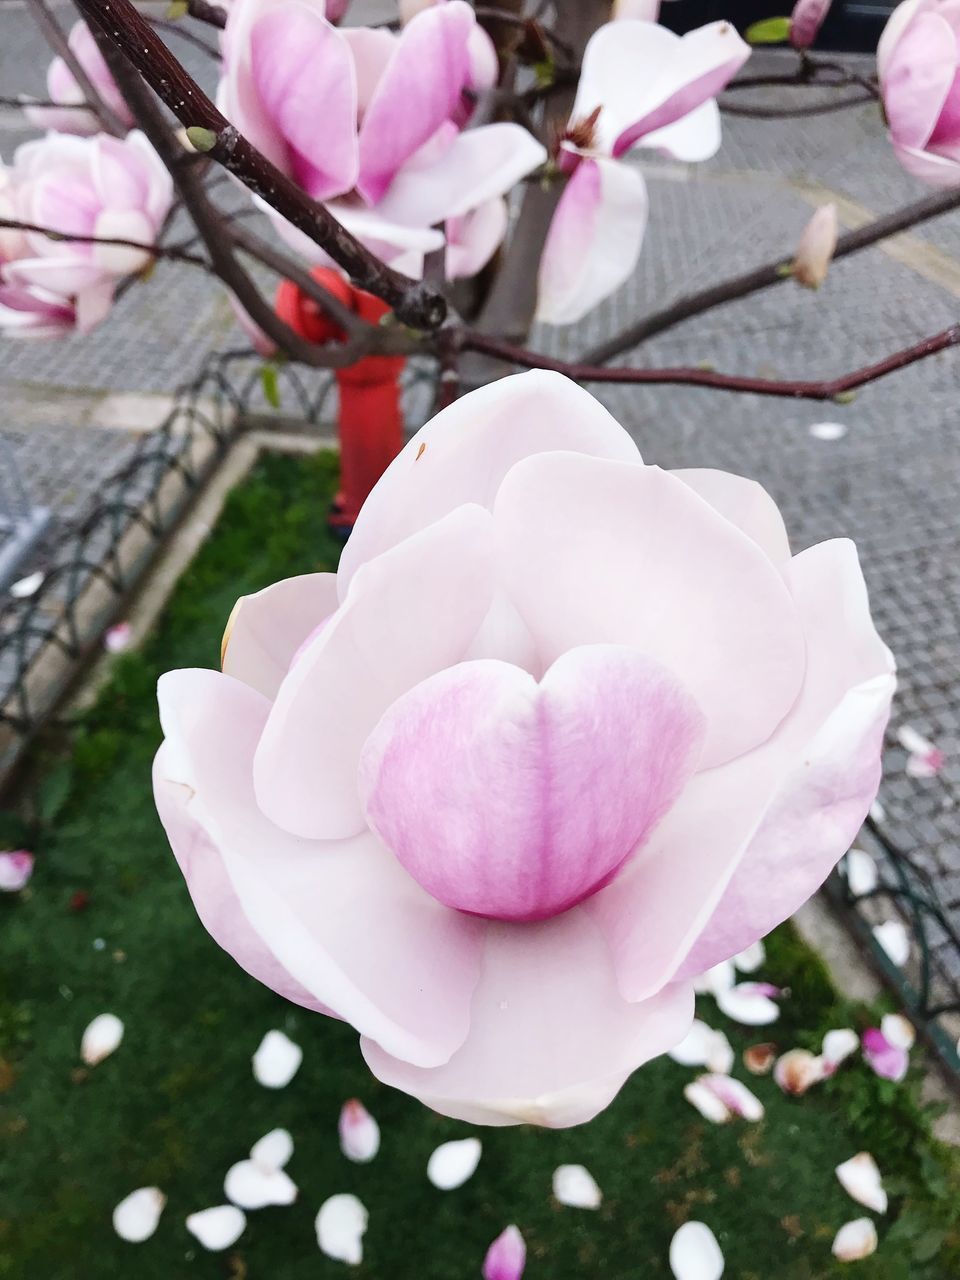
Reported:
(101, 188)
(63, 88)
(563, 732)
(918, 60)
(640, 86)
(370, 122)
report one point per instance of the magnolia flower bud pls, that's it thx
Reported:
(806, 20)
(816, 247)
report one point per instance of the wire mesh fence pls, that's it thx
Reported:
(78, 577)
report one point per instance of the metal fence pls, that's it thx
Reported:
(82, 573)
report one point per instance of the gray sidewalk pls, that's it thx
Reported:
(892, 482)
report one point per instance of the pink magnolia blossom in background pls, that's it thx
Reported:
(646, 10)
(484, 65)
(806, 20)
(391, 160)
(918, 61)
(640, 86)
(16, 868)
(93, 187)
(474, 796)
(63, 88)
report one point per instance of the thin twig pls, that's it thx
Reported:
(184, 33)
(172, 252)
(827, 389)
(790, 113)
(414, 303)
(50, 29)
(489, 13)
(20, 103)
(771, 273)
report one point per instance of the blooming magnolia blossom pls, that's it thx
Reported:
(640, 86)
(918, 62)
(806, 20)
(550, 805)
(63, 89)
(391, 161)
(99, 187)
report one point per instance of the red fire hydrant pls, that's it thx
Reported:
(370, 421)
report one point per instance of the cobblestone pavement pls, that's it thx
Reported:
(892, 482)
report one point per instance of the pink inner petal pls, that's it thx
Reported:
(514, 800)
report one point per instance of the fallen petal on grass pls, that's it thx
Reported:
(750, 960)
(759, 1058)
(751, 1003)
(837, 1047)
(276, 1061)
(359, 1132)
(704, 1047)
(797, 1071)
(507, 1256)
(250, 1186)
(887, 1060)
(860, 1178)
(273, 1150)
(136, 1216)
(695, 1253)
(217, 1228)
(16, 868)
(452, 1163)
(576, 1187)
(116, 639)
(855, 1240)
(734, 1095)
(101, 1038)
(341, 1225)
(860, 869)
(706, 1102)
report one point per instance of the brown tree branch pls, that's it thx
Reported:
(771, 273)
(827, 389)
(172, 252)
(50, 29)
(209, 13)
(414, 303)
(791, 113)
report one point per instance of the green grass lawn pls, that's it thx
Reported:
(177, 1104)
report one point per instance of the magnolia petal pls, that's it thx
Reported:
(816, 247)
(16, 868)
(860, 869)
(704, 1047)
(273, 1150)
(276, 1060)
(101, 1038)
(855, 1240)
(453, 1163)
(720, 978)
(359, 1132)
(749, 1004)
(266, 629)
(917, 79)
(894, 940)
(251, 1186)
(860, 1178)
(759, 1058)
(745, 504)
(408, 107)
(710, 1106)
(797, 1071)
(898, 1030)
(734, 1095)
(695, 1253)
(117, 638)
(572, 773)
(828, 430)
(838, 1046)
(136, 1216)
(217, 1228)
(340, 1226)
(750, 960)
(507, 1256)
(576, 1187)
(463, 454)
(594, 239)
(887, 1060)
